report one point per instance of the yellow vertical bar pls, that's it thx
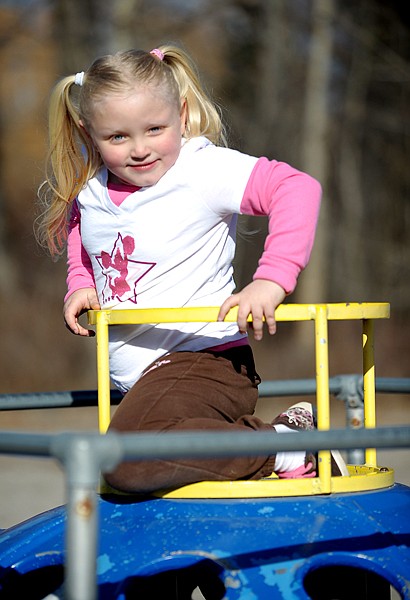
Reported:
(369, 385)
(322, 393)
(103, 371)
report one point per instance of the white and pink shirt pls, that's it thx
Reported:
(172, 245)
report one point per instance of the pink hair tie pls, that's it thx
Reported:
(156, 52)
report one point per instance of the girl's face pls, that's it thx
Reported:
(138, 135)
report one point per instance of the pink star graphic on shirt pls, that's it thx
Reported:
(121, 272)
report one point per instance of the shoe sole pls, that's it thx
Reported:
(305, 405)
(339, 468)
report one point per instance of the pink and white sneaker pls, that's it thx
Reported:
(297, 417)
(300, 417)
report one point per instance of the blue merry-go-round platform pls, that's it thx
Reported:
(345, 546)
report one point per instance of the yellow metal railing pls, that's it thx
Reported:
(320, 314)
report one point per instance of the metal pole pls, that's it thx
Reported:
(369, 388)
(83, 458)
(279, 387)
(109, 449)
(322, 381)
(351, 393)
(82, 517)
(103, 370)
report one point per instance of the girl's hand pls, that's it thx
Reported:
(260, 299)
(78, 303)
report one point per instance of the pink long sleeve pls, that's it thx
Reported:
(291, 199)
(80, 273)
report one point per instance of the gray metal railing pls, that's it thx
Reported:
(341, 386)
(347, 388)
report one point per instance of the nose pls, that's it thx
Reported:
(139, 149)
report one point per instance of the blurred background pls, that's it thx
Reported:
(321, 84)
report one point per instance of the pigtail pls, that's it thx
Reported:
(203, 115)
(71, 162)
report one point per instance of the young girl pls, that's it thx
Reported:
(145, 194)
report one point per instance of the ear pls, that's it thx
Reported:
(183, 115)
(82, 126)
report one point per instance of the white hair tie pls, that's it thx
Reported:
(79, 78)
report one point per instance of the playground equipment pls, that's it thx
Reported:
(324, 538)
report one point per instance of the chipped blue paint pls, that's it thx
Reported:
(104, 564)
(247, 594)
(266, 510)
(282, 578)
(238, 583)
(269, 575)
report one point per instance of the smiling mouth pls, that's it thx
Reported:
(144, 167)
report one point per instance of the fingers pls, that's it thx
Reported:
(258, 299)
(257, 325)
(259, 313)
(243, 311)
(226, 307)
(77, 304)
(270, 322)
(73, 325)
(94, 304)
(70, 319)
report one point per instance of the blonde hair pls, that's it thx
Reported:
(72, 158)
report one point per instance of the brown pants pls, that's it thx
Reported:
(185, 391)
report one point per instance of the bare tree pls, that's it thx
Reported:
(84, 30)
(314, 140)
